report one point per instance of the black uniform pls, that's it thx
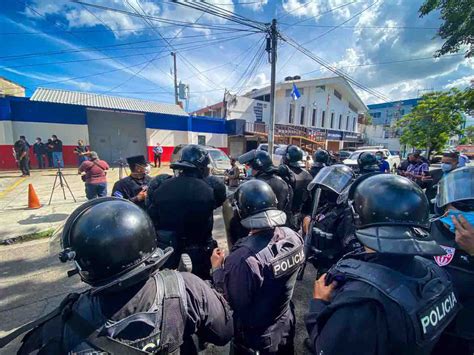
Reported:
(316, 168)
(22, 147)
(300, 195)
(459, 338)
(129, 187)
(181, 209)
(282, 190)
(378, 308)
(257, 279)
(135, 317)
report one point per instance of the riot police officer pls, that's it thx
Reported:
(131, 307)
(367, 163)
(329, 226)
(388, 299)
(181, 209)
(135, 186)
(291, 160)
(455, 233)
(259, 275)
(321, 159)
(261, 167)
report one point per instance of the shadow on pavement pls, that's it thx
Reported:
(51, 218)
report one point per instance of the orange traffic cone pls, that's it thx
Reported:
(33, 200)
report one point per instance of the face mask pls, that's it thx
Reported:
(446, 167)
(248, 172)
(469, 216)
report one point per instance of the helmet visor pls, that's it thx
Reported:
(335, 177)
(248, 157)
(456, 186)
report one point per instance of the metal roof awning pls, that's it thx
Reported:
(104, 101)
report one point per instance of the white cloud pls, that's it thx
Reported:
(256, 5)
(460, 83)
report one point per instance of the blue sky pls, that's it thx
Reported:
(382, 44)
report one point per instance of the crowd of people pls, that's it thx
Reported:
(391, 278)
(48, 154)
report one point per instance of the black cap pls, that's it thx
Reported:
(136, 160)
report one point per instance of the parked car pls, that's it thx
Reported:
(278, 152)
(220, 162)
(344, 154)
(393, 160)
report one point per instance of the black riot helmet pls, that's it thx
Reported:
(293, 155)
(106, 238)
(258, 159)
(367, 162)
(193, 158)
(256, 205)
(391, 215)
(321, 156)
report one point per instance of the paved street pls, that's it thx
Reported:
(33, 281)
(14, 199)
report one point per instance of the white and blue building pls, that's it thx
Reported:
(115, 127)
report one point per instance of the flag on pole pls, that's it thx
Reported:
(295, 94)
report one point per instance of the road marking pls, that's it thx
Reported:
(18, 182)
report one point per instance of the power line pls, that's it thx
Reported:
(336, 71)
(159, 19)
(331, 30)
(368, 27)
(295, 9)
(181, 49)
(322, 13)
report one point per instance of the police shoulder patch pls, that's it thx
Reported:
(445, 259)
(288, 263)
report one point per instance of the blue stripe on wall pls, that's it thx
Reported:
(32, 111)
(171, 122)
(24, 110)
(408, 102)
(208, 125)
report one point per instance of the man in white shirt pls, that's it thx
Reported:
(157, 151)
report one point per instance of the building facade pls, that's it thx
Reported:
(10, 88)
(115, 127)
(329, 107)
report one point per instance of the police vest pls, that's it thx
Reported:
(159, 330)
(429, 303)
(281, 256)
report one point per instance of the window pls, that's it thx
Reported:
(340, 121)
(354, 124)
(352, 107)
(376, 114)
(313, 119)
(347, 123)
(402, 112)
(337, 94)
(332, 120)
(323, 118)
(321, 88)
(201, 140)
(302, 116)
(291, 113)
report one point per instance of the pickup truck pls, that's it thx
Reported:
(393, 160)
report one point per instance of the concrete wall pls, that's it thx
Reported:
(240, 107)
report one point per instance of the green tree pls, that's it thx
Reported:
(468, 135)
(458, 24)
(429, 125)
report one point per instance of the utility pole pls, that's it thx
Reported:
(176, 100)
(273, 37)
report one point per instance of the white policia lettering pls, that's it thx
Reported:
(288, 263)
(437, 314)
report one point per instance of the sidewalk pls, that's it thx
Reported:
(15, 217)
